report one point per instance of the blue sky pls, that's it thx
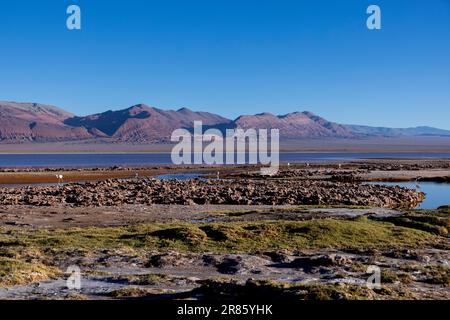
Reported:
(233, 57)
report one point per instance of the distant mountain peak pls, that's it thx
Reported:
(295, 125)
(309, 113)
(141, 123)
(265, 114)
(25, 122)
(35, 108)
(139, 106)
(184, 109)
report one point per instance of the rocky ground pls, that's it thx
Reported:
(312, 232)
(200, 191)
(307, 254)
(323, 274)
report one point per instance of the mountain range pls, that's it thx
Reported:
(33, 122)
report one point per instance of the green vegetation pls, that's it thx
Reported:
(28, 255)
(76, 296)
(287, 209)
(226, 290)
(435, 221)
(444, 209)
(130, 292)
(433, 274)
(13, 271)
(389, 276)
(438, 275)
(250, 237)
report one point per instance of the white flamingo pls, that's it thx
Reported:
(60, 178)
(418, 182)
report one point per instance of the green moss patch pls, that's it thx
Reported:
(32, 255)
(16, 272)
(436, 222)
(218, 290)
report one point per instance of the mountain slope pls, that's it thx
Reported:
(295, 125)
(32, 122)
(142, 123)
(20, 122)
(395, 132)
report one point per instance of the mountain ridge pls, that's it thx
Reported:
(33, 122)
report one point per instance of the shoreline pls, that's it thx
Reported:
(365, 170)
(357, 151)
(405, 144)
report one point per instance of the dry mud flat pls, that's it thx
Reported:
(64, 216)
(14, 176)
(366, 170)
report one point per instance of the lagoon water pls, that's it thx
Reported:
(145, 159)
(179, 176)
(437, 194)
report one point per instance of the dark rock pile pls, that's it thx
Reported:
(406, 165)
(305, 174)
(245, 192)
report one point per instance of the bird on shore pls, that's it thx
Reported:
(418, 182)
(60, 178)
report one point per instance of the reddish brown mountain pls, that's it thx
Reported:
(22, 122)
(295, 125)
(25, 122)
(142, 123)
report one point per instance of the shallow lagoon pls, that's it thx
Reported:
(437, 194)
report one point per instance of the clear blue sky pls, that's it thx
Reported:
(233, 57)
